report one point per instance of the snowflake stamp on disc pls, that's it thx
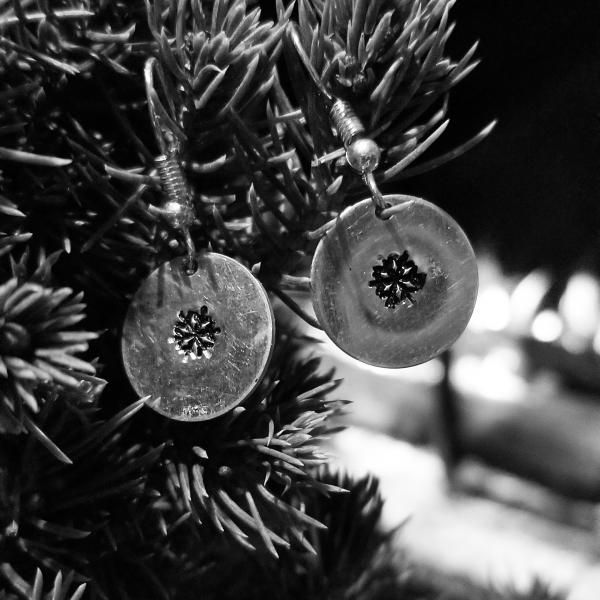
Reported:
(194, 334)
(397, 279)
(413, 304)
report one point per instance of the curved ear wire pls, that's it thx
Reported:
(153, 100)
(344, 120)
(178, 211)
(297, 43)
(167, 132)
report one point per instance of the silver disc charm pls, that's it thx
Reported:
(395, 292)
(198, 344)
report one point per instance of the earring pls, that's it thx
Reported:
(199, 332)
(394, 279)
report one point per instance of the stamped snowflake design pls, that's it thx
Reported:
(397, 279)
(194, 334)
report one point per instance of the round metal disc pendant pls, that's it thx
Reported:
(198, 344)
(396, 292)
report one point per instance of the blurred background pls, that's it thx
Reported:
(492, 452)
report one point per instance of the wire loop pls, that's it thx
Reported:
(376, 195)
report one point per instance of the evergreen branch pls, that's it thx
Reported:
(388, 61)
(37, 350)
(70, 517)
(60, 589)
(268, 448)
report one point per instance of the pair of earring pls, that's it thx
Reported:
(393, 283)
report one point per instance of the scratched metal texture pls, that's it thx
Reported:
(200, 389)
(350, 311)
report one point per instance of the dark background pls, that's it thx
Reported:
(531, 191)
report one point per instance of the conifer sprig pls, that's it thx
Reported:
(246, 474)
(212, 59)
(39, 349)
(70, 518)
(59, 41)
(390, 63)
(62, 587)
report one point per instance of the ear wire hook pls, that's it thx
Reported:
(297, 43)
(362, 153)
(178, 210)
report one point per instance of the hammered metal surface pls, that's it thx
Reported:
(350, 311)
(205, 388)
